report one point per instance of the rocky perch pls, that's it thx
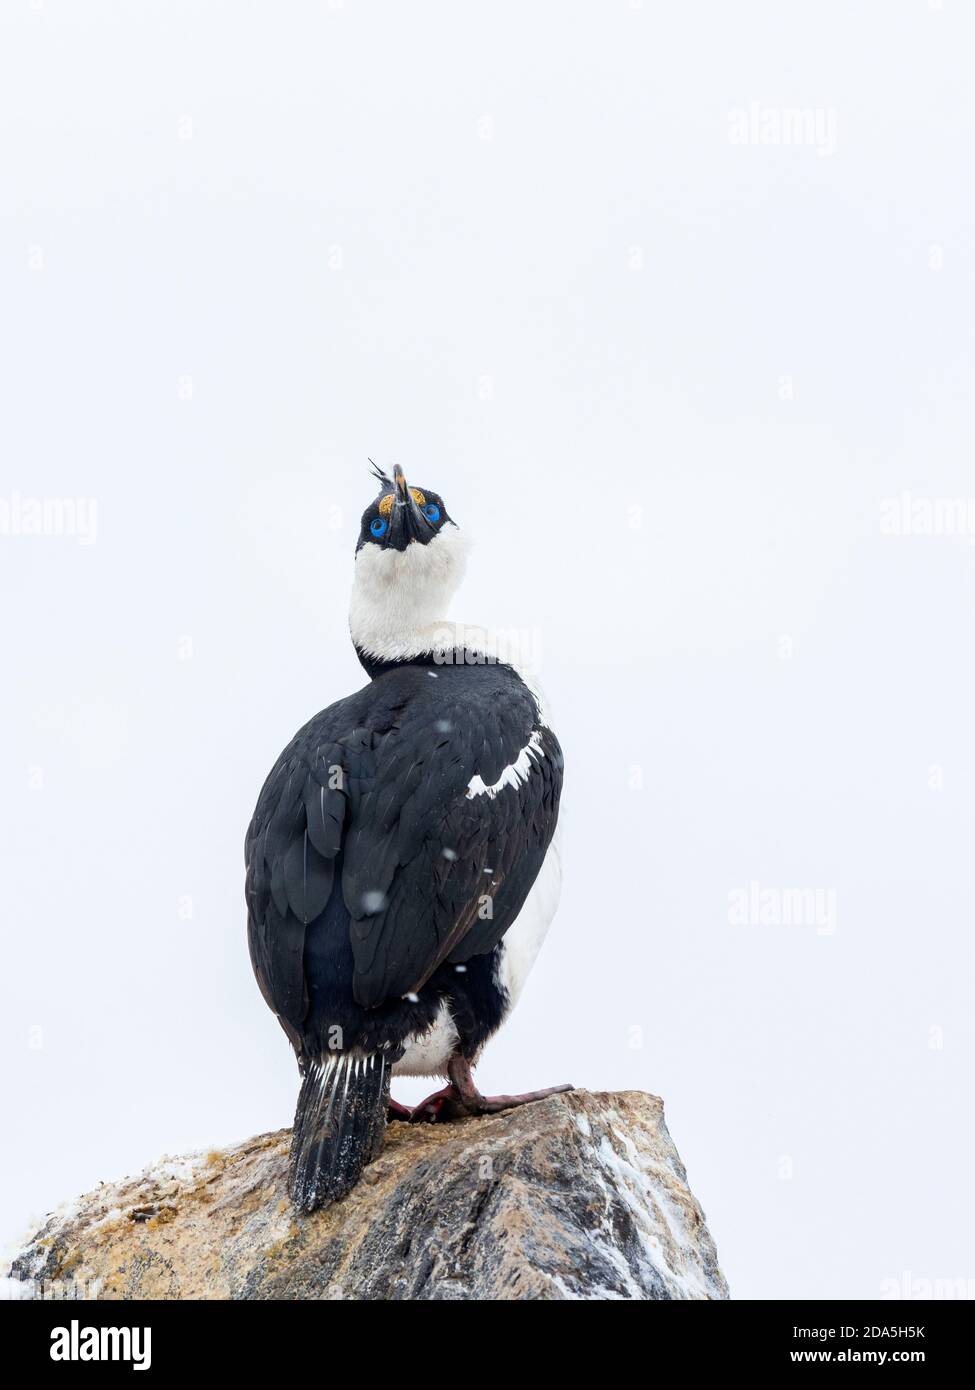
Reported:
(580, 1196)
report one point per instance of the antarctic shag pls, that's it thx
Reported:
(402, 868)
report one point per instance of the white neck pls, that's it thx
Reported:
(400, 598)
(399, 604)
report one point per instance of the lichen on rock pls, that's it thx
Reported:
(580, 1196)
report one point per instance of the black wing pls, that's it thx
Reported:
(291, 852)
(430, 871)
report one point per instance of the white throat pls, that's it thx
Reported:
(400, 599)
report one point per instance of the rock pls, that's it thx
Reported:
(580, 1196)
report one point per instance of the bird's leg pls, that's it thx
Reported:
(459, 1071)
(461, 1097)
(395, 1111)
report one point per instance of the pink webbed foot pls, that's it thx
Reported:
(474, 1103)
(491, 1105)
(443, 1105)
(461, 1097)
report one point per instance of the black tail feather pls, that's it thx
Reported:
(339, 1125)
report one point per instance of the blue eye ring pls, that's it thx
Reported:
(378, 526)
(432, 513)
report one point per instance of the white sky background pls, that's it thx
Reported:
(512, 247)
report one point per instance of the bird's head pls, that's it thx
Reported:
(401, 515)
(410, 560)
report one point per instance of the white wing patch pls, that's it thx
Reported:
(515, 775)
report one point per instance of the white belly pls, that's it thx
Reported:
(523, 939)
(428, 1054)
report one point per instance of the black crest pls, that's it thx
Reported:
(382, 478)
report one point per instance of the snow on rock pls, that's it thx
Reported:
(581, 1196)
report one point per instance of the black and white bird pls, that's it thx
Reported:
(402, 864)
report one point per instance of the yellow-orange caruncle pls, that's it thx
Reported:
(386, 503)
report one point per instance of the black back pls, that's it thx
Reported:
(370, 868)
